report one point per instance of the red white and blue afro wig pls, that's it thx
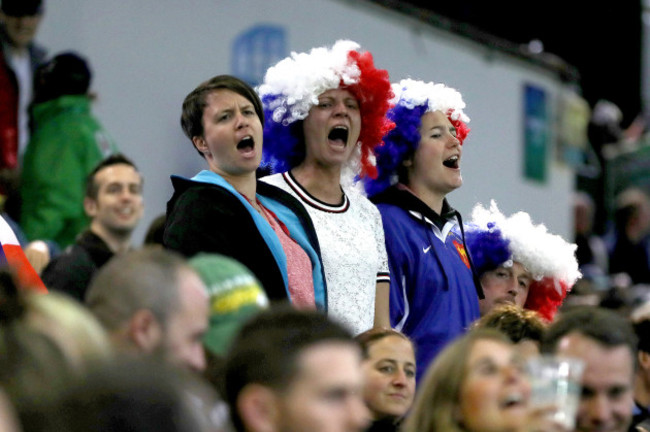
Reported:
(495, 240)
(292, 87)
(412, 100)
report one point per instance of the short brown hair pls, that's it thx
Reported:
(369, 337)
(92, 188)
(517, 323)
(196, 101)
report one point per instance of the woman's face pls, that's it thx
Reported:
(436, 163)
(389, 374)
(332, 128)
(494, 394)
(232, 134)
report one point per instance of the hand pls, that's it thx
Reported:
(540, 419)
(38, 255)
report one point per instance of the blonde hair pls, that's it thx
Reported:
(73, 327)
(437, 403)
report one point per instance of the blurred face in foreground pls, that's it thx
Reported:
(494, 395)
(183, 336)
(325, 394)
(607, 394)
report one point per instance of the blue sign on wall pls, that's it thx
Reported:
(255, 50)
(535, 133)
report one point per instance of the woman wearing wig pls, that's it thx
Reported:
(225, 210)
(433, 293)
(325, 112)
(519, 262)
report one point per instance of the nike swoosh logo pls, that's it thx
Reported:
(425, 250)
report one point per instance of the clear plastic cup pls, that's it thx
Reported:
(556, 387)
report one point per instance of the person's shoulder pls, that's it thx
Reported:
(274, 179)
(359, 200)
(69, 261)
(273, 189)
(189, 189)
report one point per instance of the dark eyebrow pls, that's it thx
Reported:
(389, 360)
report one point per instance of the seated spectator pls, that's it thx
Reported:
(66, 145)
(520, 262)
(113, 201)
(389, 370)
(126, 395)
(476, 384)
(592, 255)
(629, 242)
(44, 339)
(12, 254)
(641, 411)
(606, 343)
(152, 302)
(8, 417)
(294, 370)
(525, 328)
(235, 296)
(226, 210)
(156, 231)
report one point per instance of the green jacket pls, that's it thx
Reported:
(66, 145)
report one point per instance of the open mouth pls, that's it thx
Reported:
(340, 134)
(512, 400)
(246, 144)
(452, 162)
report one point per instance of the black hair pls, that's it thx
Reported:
(19, 8)
(266, 349)
(602, 325)
(67, 73)
(92, 188)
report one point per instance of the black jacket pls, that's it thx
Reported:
(203, 217)
(72, 271)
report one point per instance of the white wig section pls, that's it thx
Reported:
(542, 253)
(302, 77)
(411, 93)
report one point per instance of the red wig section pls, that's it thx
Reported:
(373, 91)
(546, 296)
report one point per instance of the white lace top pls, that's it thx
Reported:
(351, 238)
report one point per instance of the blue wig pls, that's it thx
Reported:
(399, 145)
(488, 248)
(412, 100)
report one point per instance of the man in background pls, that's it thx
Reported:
(114, 203)
(606, 343)
(151, 302)
(291, 370)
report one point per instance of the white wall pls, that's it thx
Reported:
(148, 54)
